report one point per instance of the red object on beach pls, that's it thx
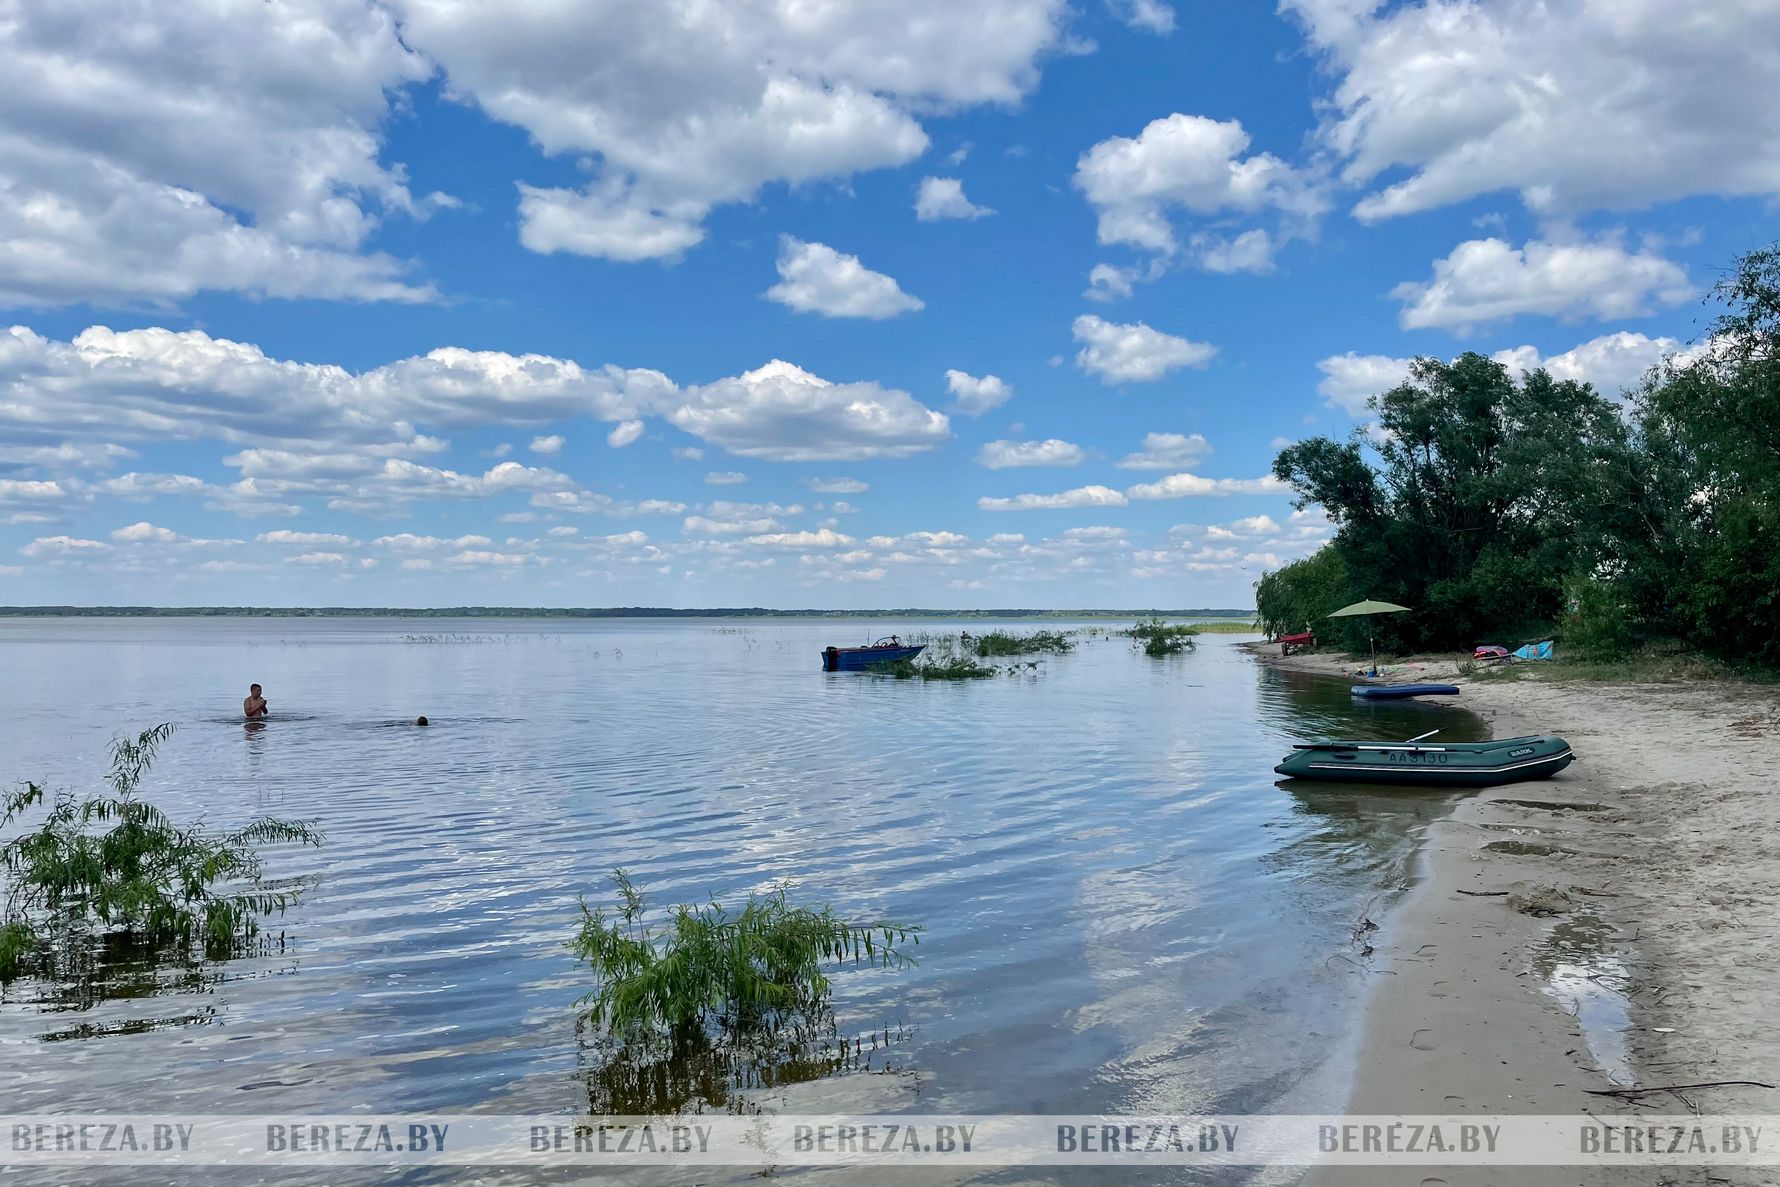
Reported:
(1287, 642)
(1488, 652)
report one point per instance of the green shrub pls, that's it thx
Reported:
(114, 866)
(1158, 637)
(1601, 623)
(713, 972)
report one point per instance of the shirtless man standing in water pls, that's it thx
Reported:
(254, 705)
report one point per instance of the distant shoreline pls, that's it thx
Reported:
(578, 612)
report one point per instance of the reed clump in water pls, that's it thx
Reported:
(951, 657)
(956, 667)
(714, 975)
(1158, 637)
(113, 869)
(1003, 643)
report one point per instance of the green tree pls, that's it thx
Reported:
(1472, 500)
(1694, 547)
(1301, 596)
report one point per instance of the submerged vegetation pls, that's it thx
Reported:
(1157, 637)
(622, 1082)
(1503, 509)
(717, 976)
(113, 869)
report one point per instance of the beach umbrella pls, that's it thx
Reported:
(1367, 609)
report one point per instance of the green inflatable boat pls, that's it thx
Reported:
(1429, 764)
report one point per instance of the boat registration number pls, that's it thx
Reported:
(1418, 758)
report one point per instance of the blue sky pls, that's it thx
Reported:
(796, 303)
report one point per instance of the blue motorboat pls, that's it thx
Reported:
(1395, 692)
(857, 659)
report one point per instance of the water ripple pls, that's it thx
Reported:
(1122, 909)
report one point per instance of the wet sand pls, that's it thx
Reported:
(1657, 856)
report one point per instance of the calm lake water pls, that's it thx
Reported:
(1123, 911)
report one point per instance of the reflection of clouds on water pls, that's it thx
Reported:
(1121, 909)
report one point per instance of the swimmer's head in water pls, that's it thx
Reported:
(420, 721)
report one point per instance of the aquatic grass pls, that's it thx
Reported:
(1225, 626)
(1157, 637)
(115, 868)
(716, 974)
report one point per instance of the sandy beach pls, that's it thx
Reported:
(1609, 928)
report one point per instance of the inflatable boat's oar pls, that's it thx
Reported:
(1357, 745)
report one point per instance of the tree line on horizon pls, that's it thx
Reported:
(1501, 510)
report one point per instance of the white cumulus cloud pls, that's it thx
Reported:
(820, 538)
(1575, 105)
(679, 108)
(1614, 363)
(146, 533)
(1151, 16)
(63, 546)
(1190, 164)
(1486, 280)
(942, 198)
(1181, 486)
(837, 486)
(1350, 379)
(783, 413)
(1134, 353)
(974, 395)
(164, 384)
(152, 152)
(1003, 455)
(815, 278)
(1081, 496)
(306, 539)
(1167, 451)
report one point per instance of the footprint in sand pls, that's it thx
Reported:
(1439, 1182)
(1440, 989)
(1427, 950)
(1423, 1040)
(1452, 1100)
